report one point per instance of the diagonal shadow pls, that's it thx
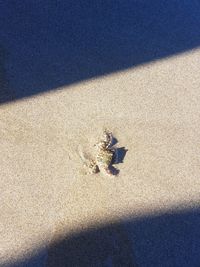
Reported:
(49, 44)
(170, 239)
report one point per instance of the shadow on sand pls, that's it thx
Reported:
(49, 44)
(170, 239)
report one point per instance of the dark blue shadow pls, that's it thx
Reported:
(166, 240)
(51, 43)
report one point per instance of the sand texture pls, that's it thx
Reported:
(69, 69)
(153, 111)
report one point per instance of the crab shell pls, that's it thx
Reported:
(104, 158)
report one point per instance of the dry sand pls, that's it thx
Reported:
(153, 111)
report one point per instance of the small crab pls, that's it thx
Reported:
(105, 153)
(91, 166)
(105, 156)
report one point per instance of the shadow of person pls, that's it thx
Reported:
(152, 240)
(98, 247)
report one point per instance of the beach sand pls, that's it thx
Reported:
(51, 211)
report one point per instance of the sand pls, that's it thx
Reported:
(153, 110)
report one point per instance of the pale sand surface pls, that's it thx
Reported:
(153, 111)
